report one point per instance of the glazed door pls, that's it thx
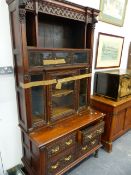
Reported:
(38, 100)
(84, 90)
(63, 95)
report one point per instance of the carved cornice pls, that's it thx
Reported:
(50, 8)
(60, 8)
(56, 9)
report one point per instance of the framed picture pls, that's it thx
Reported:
(113, 11)
(109, 51)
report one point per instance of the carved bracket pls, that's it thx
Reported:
(22, 13)
(22, 3)
(27, 78)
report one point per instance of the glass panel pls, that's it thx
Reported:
(81, 57)
(57, 58)
(83, 91)
(37, 99)
(62, 99)
(67, 56)
(35, 59)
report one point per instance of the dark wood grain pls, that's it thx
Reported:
(53, 144)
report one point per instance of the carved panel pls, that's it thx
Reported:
(89, 19)
(22, 13)
(30, 5)
(49, 8)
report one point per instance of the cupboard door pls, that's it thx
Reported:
(84, 91)
(62, 95)
(118, 124)
(128, 119)
(37, 100)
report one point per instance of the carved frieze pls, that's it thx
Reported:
(57, 10)
(49, 8)
(30, 5)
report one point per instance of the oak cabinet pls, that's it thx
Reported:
(117, 118)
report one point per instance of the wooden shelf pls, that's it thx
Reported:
(37, 119)
(33, 48)
(61, 92)
(59, 110)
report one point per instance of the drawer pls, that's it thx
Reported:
(91, 132)
(61, 160)
(59, 145)
(83, 149)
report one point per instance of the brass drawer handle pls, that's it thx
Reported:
(55, 166)
(90, 136)
(99, 131)
(93, 142)
(84, 148)
(56, 149)
(68, 158)
(69, 142)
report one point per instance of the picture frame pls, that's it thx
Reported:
(113, 11)
(109, 51)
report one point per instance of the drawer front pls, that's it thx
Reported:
(61, 160)
(83, 149)
(61, 144)
(92, 132)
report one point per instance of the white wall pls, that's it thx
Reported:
(10, 140)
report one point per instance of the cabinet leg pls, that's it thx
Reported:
(96, 153)
(107, 146)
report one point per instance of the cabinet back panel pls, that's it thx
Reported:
(57, 32)
(30, 29)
